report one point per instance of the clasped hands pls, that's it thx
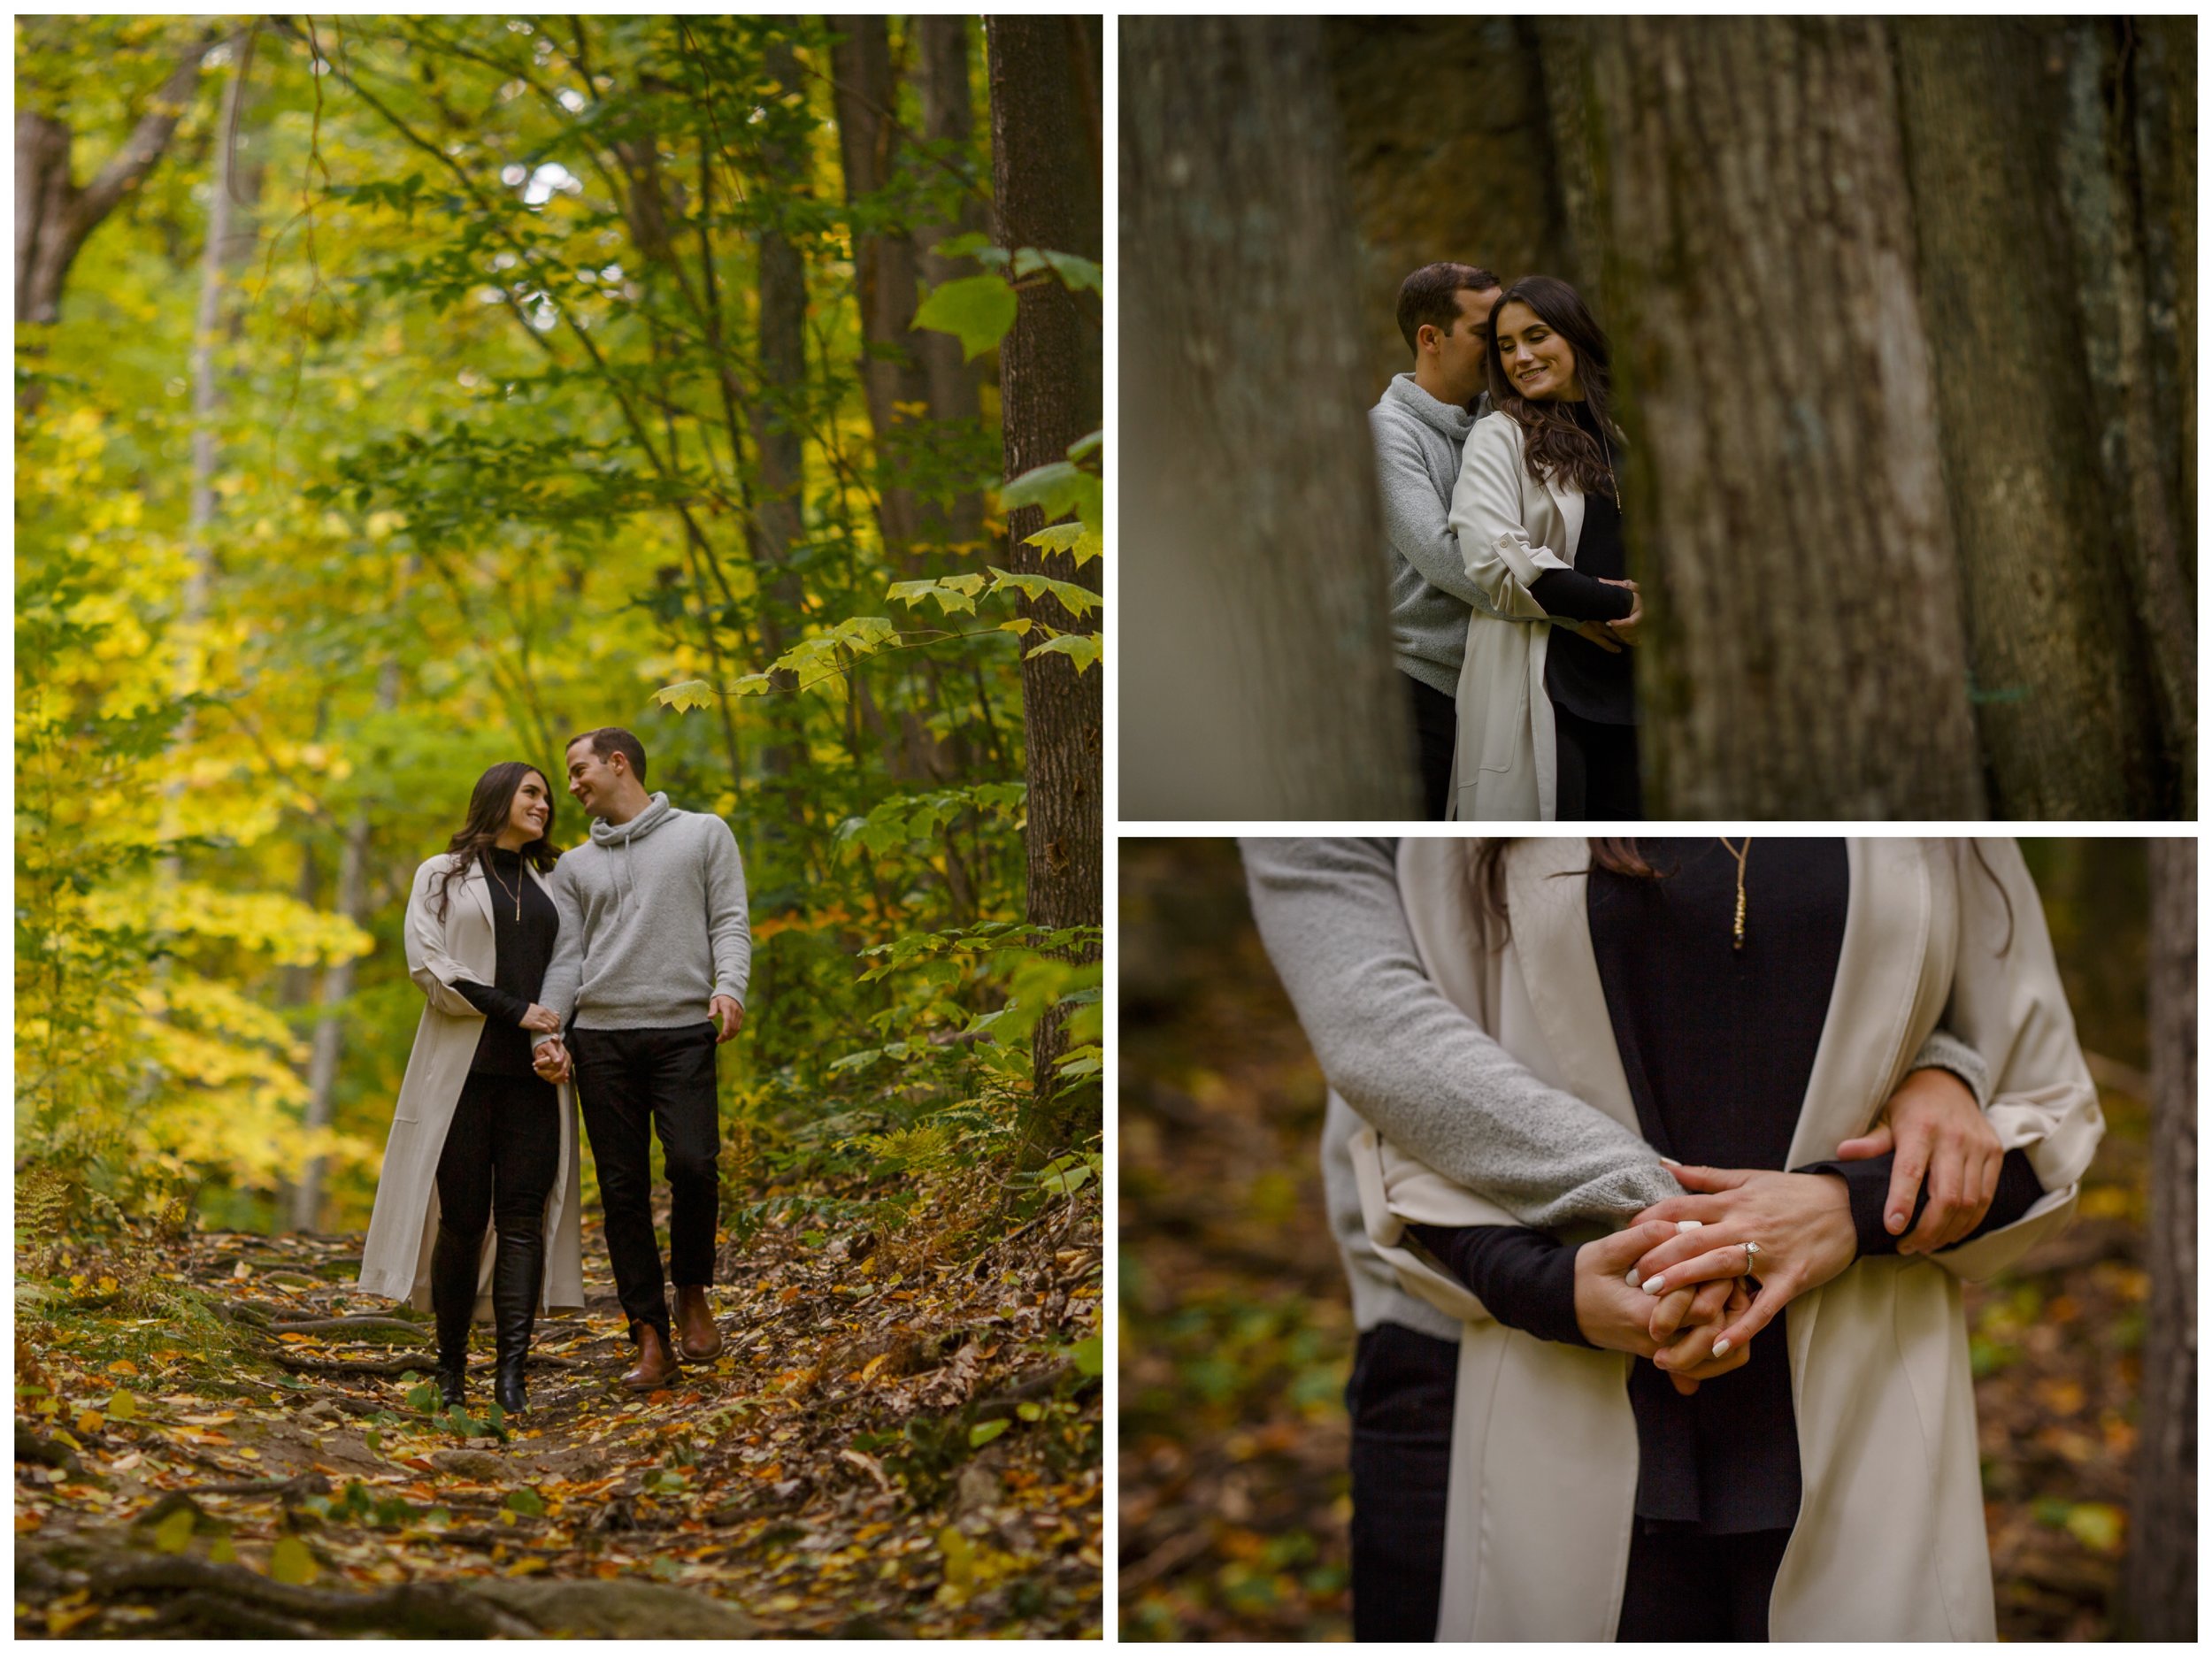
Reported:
(1680, 1297)
(552, 1060)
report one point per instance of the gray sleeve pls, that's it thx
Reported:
(1943, 1051)
(1427, 1077)
(565, 971)
(729, 930)
(1415, 518)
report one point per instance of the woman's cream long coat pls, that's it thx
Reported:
(396, 1259)
(1889, 1543)
(1511, 529)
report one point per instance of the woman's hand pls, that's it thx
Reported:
(1937, 1129)
(544, 1021)
(551, 1061)
(1612, 1316)
(1625, 629)
(1801, 1221)
(1599, 635)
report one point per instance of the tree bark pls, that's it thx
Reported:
(1259, 683)
(2162, 1566)
(954, 385)
(1785, 508)
(1039, 165)
(2065, 714)
(53, 215)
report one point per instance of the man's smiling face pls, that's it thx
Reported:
(593, 780)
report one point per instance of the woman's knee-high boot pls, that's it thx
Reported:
(453, 1301)
(516, 1270)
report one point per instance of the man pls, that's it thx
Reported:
(647, 977)
(1420, 426)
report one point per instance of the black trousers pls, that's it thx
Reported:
(1436, 731)
(1399, 1398)
(634, 1083)
(1685, 1586)
(501, 1154)
(1598, 774)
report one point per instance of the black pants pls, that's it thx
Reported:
(1598, 775)
(1688, 1586)
(1399, 1398)
(1436, 731)
(633, 1083)
(500, 1157)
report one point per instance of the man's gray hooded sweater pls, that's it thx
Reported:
(1399, 1056)
(1417, 442)
(653, 923)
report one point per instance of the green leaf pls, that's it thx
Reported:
(525, 1500)
(977, 309)
(1088, 444)
(1077, 272)
(1073, 599)
(122, 1407)
(1090, 1354)
(1080, 649)
(686, 696)
(173, 1535)
(290, 1561)
(960, 247)
(1078, 538)
(984, 1433)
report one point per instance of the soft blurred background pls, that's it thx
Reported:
(1236, 1328)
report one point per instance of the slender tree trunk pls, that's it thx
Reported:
(954, 385)
(1037, 165)
(2162, 1566)
(1785, 505)
(2065, 713)
(1260, 683)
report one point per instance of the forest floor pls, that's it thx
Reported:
(892, 1444)
(1235, 1493)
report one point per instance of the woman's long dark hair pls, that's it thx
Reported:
(1553, 446)
(489, 802)
(1485, 874)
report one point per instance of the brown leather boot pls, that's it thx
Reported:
(655, 1366)
(697, 1339)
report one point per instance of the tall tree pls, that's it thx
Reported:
(1258, 683)
(949, 123)
(1789, 516)
(2161, 1567)
(1038, 166)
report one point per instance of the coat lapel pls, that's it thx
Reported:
(480, 890)
(1567, 504)
(1546, 884)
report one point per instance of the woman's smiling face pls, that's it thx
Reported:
(531, 809)
(1538, 363)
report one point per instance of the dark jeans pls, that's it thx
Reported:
(1399, 1398)
(1436, 731)
(1598, 774)
(633, 1083)
(501, 1154)
(1689, 1587)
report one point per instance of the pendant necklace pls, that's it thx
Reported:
(515, 892)
(1739, 857)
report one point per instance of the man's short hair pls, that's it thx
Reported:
(1430, 295)
(612, 740)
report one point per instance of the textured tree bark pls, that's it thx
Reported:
(1258, 682)
(954, 385)
(1039, 160)
(2065, 713)
(883, 267)
(1785, 505)
(2161, 1567)
(782, 366)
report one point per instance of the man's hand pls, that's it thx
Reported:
(550, 1060)
(1625, 629)
(1599, 635)
(1937, 1130)
(1801, 1221)
(729, 1017)
(1611, 1315)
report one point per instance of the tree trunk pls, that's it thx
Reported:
(954, 385)
(777, 433)
(883, 269)
(2064, 711)
(1039, 165)
(1259, 683)
(1785, 508)
(2162, 1566)
(337, 987)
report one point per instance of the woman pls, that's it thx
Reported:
(1743, 996)
(1546, 695)
(478, 1136)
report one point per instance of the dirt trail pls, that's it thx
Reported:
(875, 1453)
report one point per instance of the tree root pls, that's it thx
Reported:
(424, 1363)
(233, 1600)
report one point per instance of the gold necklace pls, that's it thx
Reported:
(515, 891)
(1739, 857)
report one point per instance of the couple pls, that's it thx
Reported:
(1619, 1375)
(1510, 611)
(636, 945)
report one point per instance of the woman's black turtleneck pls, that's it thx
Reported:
(523, 925)
(1584, 677)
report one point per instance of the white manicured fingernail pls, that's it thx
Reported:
(1631, 1278)
(1721, 1346)
(1654, 1287)
(1671, 1163)
(1687, 1226)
